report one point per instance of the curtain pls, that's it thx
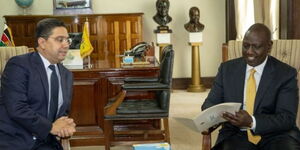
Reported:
(244, 15)
(272, 16)
(248, 12)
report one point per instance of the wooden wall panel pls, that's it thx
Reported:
(84, 93)
(135, 27)
(293, 21)
(30, 30)
(107, 29)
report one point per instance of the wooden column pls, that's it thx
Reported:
(196, 85)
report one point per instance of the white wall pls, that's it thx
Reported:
(212, 16)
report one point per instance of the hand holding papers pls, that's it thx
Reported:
(210, 117)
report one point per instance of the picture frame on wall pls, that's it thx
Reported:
(72, 7)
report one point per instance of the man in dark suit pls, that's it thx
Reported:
(276, 101)
(34, 112)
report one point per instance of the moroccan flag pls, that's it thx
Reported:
(86, 47)
(7, 39)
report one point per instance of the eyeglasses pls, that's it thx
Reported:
(61, 39)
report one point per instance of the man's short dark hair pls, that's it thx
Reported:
(259, 27)
(44, 28)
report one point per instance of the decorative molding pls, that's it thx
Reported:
(183, 83)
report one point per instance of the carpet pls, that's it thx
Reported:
(182, 104)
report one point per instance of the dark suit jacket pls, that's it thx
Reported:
(276, 100)
(24, 101)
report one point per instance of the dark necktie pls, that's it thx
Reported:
(54, 94)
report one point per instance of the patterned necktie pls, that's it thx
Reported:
(250, 99)
(54, 94)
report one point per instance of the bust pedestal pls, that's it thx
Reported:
(195, 40)
(163, 38)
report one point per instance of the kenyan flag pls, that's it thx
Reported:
(7, 39)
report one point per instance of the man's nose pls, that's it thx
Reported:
(250, 50)
(65, 44)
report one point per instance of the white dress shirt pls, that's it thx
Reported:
(257, 75)
(49, 72)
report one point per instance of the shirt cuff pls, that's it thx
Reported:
(253, 127)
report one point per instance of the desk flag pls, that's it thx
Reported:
(86, 47)
(7, 39)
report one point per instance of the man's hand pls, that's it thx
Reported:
(63, 127)
(239, 119)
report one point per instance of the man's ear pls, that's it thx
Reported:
(270, 44)
(41, 42)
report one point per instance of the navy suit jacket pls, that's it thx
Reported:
(24, 101)
(276, 101)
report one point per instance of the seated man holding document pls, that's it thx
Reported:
(266, 88)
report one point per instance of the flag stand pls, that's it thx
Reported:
(86, 47)
(89, 62)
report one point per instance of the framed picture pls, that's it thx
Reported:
(72, 6)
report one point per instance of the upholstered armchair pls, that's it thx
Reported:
(155, 106)
(8, 52)
(284, 50)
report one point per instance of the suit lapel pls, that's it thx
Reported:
(239, 78)
(63, 88)
(42, 72)
(265, 82)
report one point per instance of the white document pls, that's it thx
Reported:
(209, 117)
(73, 59)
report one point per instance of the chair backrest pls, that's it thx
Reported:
(166, 66)
(8, 52)
(285, 50)
(298, 115)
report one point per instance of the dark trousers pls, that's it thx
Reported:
(240, 142)
(49, 144)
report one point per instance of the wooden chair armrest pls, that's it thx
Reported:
(206, 141)
(140, 79)
(111, 108)
(224, 52)
(31, 49)
(65, 142)
(210, 130)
